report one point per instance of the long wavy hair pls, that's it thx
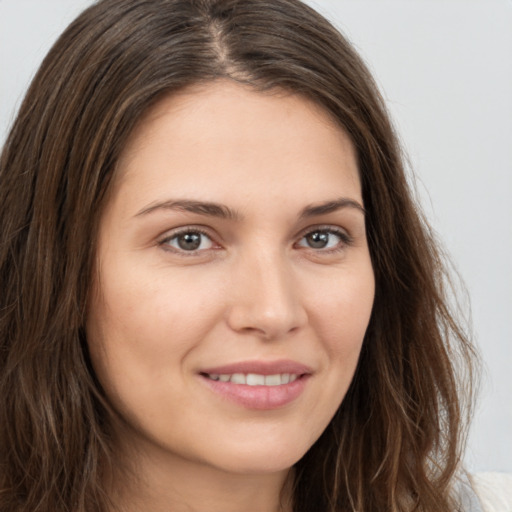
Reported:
(396, 441)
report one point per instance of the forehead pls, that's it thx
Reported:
(210, 138)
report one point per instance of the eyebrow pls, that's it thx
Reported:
(188, 205)
(315, 210)
(212, 209)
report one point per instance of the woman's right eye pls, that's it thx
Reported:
(188, 241)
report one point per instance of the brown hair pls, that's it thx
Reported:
(395, 443)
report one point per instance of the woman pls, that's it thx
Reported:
(218, 293)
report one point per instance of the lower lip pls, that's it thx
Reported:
(259, 397)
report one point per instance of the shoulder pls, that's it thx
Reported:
(494, 491)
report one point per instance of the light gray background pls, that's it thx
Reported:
(445, 68)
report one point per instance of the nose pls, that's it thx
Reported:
(265, 298)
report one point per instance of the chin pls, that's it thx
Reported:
(261, 457)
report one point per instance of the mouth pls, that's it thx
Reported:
(254, 379)
(258, 385)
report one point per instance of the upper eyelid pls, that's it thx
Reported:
(171, 233)
(324, 227)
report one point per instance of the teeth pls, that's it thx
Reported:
(238, 378)
(254, 379)
(272, 380)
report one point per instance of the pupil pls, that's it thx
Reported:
(318, 240)
(189, 241)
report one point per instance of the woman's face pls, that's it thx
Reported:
(234, 283)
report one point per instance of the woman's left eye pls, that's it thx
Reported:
(324, 239)
(188, 241)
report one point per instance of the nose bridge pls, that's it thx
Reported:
(266, 298)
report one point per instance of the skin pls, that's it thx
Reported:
(254, 289)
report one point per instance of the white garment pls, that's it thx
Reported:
(494, 490)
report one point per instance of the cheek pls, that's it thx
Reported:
(135, 349)
(140, 325)
(344, 308)
(342, 316)
(339, 315)
(150, 305)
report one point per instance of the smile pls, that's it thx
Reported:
(254, 379)
(259, 385)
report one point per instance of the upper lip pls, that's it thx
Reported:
(260, 368)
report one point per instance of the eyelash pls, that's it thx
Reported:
(345, 240)
(164, 243)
